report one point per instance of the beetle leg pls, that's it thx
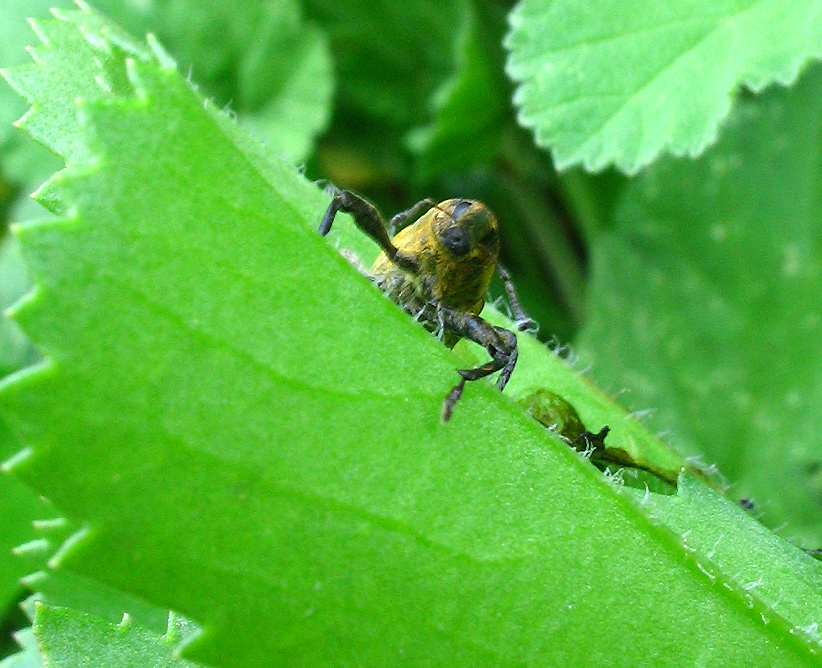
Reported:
(399, 220)
(500, 343)
(522, 321)
(369, 220)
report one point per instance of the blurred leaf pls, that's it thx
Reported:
(68, 639)
(207, 37)
(261, 58)
(252, 432)
(391, 56)
(470, 108)
(13, 42)
(390, 60)
(286, 83)
(706, 303)
(28, 656)
(618, 82)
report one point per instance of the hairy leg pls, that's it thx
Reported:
(369, 220)
(500, 343)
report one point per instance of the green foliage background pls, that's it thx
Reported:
(206, 410)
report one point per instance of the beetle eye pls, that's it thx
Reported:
(460, 208)
(456, 240)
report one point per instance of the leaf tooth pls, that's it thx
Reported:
(37, 27)
(33, 580)
(22, 455)
(51, 32)
(37, 547)
(69, 545)
(13, 310)
(25, 79)
(164, 58)
(28, 643)
(50, 523)
(13, 387)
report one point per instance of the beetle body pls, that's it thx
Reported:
(457, 244)
(438, 269)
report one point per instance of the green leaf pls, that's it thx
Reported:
(391, 57)
(759, 562)
(621, 82)
(29, 656)
(68, 638)
(251, 431)
(286, 83)
(706, 302)
(470, 108)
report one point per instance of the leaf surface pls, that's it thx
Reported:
(68, 638)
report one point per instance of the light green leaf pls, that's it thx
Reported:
(293, 58)
(706, 302)
(23, 165)
(28, 656)
(69, 638)
(63, 58)
(252, 434)
(620, 82)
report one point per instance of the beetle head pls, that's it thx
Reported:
(467, 228)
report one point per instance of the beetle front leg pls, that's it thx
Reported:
(369, 220)
(500, 343)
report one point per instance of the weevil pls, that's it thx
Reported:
(438, 269)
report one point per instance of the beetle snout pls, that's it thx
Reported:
(457, 240)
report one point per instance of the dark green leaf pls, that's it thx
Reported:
(470, 108)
